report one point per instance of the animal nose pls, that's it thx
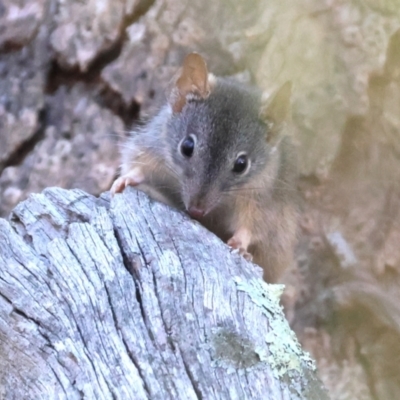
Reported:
(195, 212)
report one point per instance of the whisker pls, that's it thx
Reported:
(242, 189)
(134, 146)
(289, 188)
(137, 163)
(120, 134)
(170, 168)
(236, 194)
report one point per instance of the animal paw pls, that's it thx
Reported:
(236, 244)
(133, 178)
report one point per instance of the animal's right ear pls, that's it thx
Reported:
(192, 82)
(277, 110)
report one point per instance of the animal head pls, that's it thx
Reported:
(221, 132)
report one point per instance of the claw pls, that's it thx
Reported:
(132, 178)
(236, 244)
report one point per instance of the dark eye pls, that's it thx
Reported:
(240, 164)
(187, 146)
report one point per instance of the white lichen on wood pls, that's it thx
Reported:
(285, 353)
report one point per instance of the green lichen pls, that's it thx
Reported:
(285, 353)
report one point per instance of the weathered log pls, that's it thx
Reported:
(129, 299)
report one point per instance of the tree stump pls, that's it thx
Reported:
(125, 298)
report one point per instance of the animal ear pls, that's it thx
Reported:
(192, 82)
(276, 110)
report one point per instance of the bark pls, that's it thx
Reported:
(130, 299)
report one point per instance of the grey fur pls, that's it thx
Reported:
(226, 123)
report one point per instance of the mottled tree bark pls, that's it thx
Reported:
(130, 299)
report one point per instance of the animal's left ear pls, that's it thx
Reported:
(276, 110)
